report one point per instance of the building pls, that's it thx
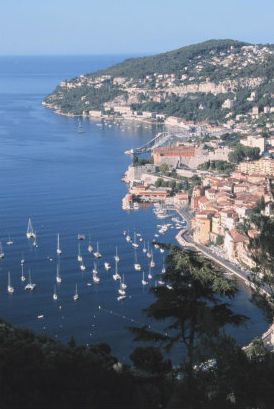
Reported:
(181, 199)
(263, 166)
(201, 225)
(234, 243)
(164, 153)
(255, 142)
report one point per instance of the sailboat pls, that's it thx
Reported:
(128, 238)
(90, 248)
(35, 243)
(30, 286)
(144, 282)
(30, 232)
(97, 253)
(10, 241)
(162, 250)
(137, 266)
(116, 257)
(2, 254)
(107, 266)
(149, 276)
(121, 290)
(58, 276)
(76, 295)
(123, 284)
(144, 248)
(134, 244)
(79, 257)
(58, 250)
(152, 262)
(148, 251)
(82, 266)
(22, 261)
(55, 295)
(95, 277)
(80, 127)
(163, 268)
(23, 278)
(10, 288)
(116, 276)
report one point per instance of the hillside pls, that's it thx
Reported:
(214, 80)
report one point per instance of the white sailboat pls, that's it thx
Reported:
(30, 232)
(55, 295)
(121, 290)
(22, 261)
(35, 243)
(144, 282)
(30, 286)
(95, 277)
(148, 251)
(23, 278)
(152, 262)
(107, 266)
(2, 254)
(94, 271)
(128, 238)
(116, 257)
(10, 241)
(137, 266)
(144, 248)
(79, 257)
(149, 276)
(90, 248)
(135, 244)
(76, 295)
(116, 276)
(162, 250)
(58, 250)
(97, 253)
(82, 266)
(58, 276)
(163, 268)
(123, 284)
(10, 287)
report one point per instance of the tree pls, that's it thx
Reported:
(150, 360)
(192, 307)
(164, 168)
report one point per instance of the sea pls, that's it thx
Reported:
(69, 182)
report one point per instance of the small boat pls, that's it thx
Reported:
(134, 244)
(95, 278)
(107, 266)
(9, 242)
(136, 206)
(40, 316)
(169, 287)
(81, 237)
(163, 268)
(30, 232)
(22, 261)
(58, 276)
(121, 290)
(116, 257)
(137, 266)
(58, 250)
(116, 276)
(149, 276)
(156, 245)
(124, 232)
(128, 238)
(23, 278)
(76, 295)
(2, 254)
(55, 295)
(30, 286)
(161, 282)
(10, 287)
(94, 271)
(162, 250)
(123, 284)
(144, 282)
(97, 253)
(121, 297)
(152, 262)
(90, 248)
(79, 257)
(144, 248)
(148, 251)
(35, 243)
(82, 266)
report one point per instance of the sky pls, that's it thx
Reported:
(68, 27)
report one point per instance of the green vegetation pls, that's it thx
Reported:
(242, 152)
(217, 165)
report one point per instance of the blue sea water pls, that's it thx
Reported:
(69, 183)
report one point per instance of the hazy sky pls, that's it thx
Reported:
(128, 26)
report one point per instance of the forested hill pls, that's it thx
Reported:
(171, 61)
(215, 80)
